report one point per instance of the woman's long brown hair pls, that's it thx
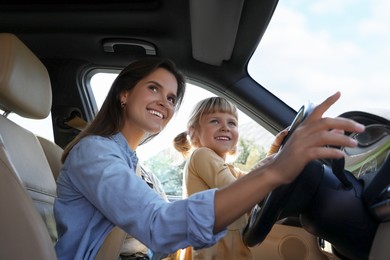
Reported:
(109, 120)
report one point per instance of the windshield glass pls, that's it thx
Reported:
(312, 49)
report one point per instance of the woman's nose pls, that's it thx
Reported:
(163, 102)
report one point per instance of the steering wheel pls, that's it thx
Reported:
(283, 200)
(332, 202)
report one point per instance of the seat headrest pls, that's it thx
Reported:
(24, 81)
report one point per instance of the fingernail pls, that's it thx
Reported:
(361, 127)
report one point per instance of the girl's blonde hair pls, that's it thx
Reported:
(204, 107)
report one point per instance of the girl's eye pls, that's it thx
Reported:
(233, 123)
(214, 121)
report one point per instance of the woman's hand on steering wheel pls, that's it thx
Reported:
(312, 140)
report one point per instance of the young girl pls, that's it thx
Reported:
(98, 188)
(213, 130)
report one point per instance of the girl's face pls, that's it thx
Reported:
(219, 132)
(149, 105)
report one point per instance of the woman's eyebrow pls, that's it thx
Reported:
(154, 82)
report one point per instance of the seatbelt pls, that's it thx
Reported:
(112, 245)
(76, 122)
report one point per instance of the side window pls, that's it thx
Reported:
(159, 156)
(43, 127)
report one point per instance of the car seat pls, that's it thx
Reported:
(29, 164)
(25, 89)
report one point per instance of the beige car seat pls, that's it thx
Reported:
(29, 164)
(25, 89)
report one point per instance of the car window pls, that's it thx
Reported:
(312, 49)
(159, 156)
(43, 127)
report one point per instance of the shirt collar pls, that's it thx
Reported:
(122, 142)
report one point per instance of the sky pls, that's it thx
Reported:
(310, 50)
(330, 45)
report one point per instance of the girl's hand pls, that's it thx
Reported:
(275, 146)
(313, 140)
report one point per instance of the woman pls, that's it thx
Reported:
(98, 189)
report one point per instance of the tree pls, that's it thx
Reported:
(168, 172)
(249, 153)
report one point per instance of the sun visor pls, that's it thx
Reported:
(214, 26)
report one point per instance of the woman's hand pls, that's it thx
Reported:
(313, 140)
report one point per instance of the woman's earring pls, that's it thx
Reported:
(123, 104)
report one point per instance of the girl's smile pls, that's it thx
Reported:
(219, 132)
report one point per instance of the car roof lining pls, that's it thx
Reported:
(49, 5)
(190, 28)
(76, 33)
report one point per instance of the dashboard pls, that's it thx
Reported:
(369, 162)
(372, 150)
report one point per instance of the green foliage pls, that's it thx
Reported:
(250, 153)
(245, 148)
(169, 174)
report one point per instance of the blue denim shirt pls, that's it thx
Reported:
(98, 189)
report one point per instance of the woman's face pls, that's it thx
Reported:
(219, 132)
(150, 104)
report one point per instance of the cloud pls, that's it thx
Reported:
(302, 56)
(331, 6)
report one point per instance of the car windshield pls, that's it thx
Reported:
(312, 49)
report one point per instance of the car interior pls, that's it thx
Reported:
(49, 48)
(36, 166)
